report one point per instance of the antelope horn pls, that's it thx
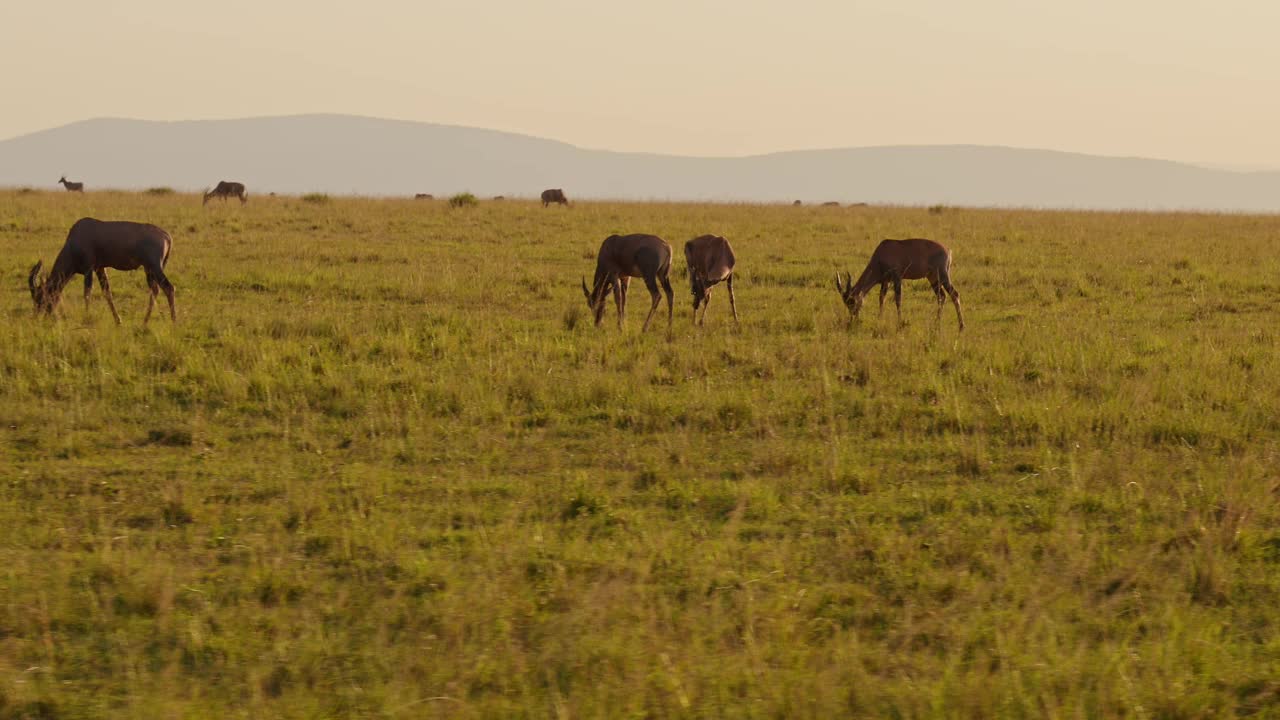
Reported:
(585, 291)
(31, 279)
(838, 288)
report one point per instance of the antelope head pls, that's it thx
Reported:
(698, 286)
(596, 299)
(852, 300)
(39, 290)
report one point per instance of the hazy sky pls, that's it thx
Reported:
(1171, 79)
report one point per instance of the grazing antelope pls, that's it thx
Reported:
(424, 196)
(621, 258)
(555, 195)
(898, 260)
(710, 260)
(831, 203)
(226, 189)
(71, 186)
(92, 246)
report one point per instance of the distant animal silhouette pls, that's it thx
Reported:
(91, 247)
(499, 197)
(831, 203)
(621, 258)
(424, 196)
(71, 186)
(226, 189)
(555, 195)
(797, 203)
(894, 261)
(710, 260)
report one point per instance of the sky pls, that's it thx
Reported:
(1188, 81)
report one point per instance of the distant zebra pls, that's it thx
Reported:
(225, 190)
(71, 186)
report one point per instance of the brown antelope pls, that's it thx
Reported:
(710, 260)
(555, 195)
(92, 246)
(621, 258)
(71, 186)
(424, 196)
(898, 260)
(226, 189)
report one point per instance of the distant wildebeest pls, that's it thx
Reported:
(797, 203)
(555, 195)
(621, 258)
(92, 246)
(831, 203)
(71, 186)
(499, 197)
(226, 189)
(710, 260)
(424, 196)
(896, 260)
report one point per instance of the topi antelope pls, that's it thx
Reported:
(71, 186)
(92, 246)
(555, 195)
(226, 189)
(621, 258)
(898, 260)
(710, 260)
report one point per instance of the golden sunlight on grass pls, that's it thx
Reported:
(384, 466)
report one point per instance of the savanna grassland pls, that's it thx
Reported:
(385, 466)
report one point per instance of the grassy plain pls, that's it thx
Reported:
(385, 466)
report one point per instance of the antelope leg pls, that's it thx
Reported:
(897, 298)
(168, 293)
(666, 287)
(657, 297)
(154, 288)
(106, 292)
(733, 304)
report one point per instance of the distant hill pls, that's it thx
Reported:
(367, 156)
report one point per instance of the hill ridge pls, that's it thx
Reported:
(341, 153)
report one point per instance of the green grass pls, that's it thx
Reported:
(385, 466)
